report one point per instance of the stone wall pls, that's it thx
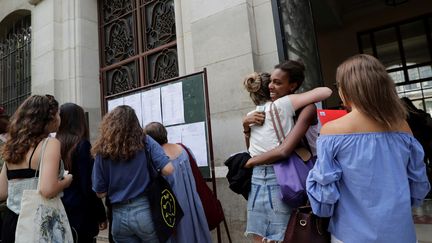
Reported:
(65, 54)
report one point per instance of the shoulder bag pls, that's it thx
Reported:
(42, 219)
(306, 227)
(291, 173)
(165, 209)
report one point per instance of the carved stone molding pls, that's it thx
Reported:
(34, 2)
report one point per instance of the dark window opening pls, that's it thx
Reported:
(405, 49)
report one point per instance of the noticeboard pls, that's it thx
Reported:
(181, 105)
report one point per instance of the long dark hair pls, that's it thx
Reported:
(73, 128)
(29, 125)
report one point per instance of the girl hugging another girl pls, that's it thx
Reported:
(267, 214)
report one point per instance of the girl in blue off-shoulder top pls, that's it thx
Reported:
(370, 169)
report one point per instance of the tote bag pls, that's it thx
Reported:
(42, 219)
(291, 174)
(165, 209)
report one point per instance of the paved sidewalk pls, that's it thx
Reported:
(422, 219)
(423, 222)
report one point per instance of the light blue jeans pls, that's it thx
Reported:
(267, 215)
(132, 222)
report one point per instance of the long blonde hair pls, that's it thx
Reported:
(364, 82)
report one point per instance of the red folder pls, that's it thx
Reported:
(330, 115)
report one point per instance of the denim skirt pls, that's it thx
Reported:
(267, 215)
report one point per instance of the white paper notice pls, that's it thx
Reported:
(172, 104)
(151, 106)
(114, 103)
(194, 137)
(134, 101)
(174, 134)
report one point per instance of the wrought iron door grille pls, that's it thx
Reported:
(15, 65)
(138, 43)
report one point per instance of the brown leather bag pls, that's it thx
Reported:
(306, 227)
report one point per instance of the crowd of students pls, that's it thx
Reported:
(370, 169)
(114, 168)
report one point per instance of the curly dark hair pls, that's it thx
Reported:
(121, 135)
(28, 126)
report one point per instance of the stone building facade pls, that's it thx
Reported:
(230, 38)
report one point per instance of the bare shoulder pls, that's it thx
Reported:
(53, 142)
(404, 127)
(177, 147)
(172, 150)
(338, 126)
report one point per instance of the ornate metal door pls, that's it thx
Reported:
(15, 68)
(138, 44)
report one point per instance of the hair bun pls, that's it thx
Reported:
(252, 82)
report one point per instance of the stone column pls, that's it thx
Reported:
(44, 36)
(65, 54)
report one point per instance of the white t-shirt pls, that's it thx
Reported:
(263, 138)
